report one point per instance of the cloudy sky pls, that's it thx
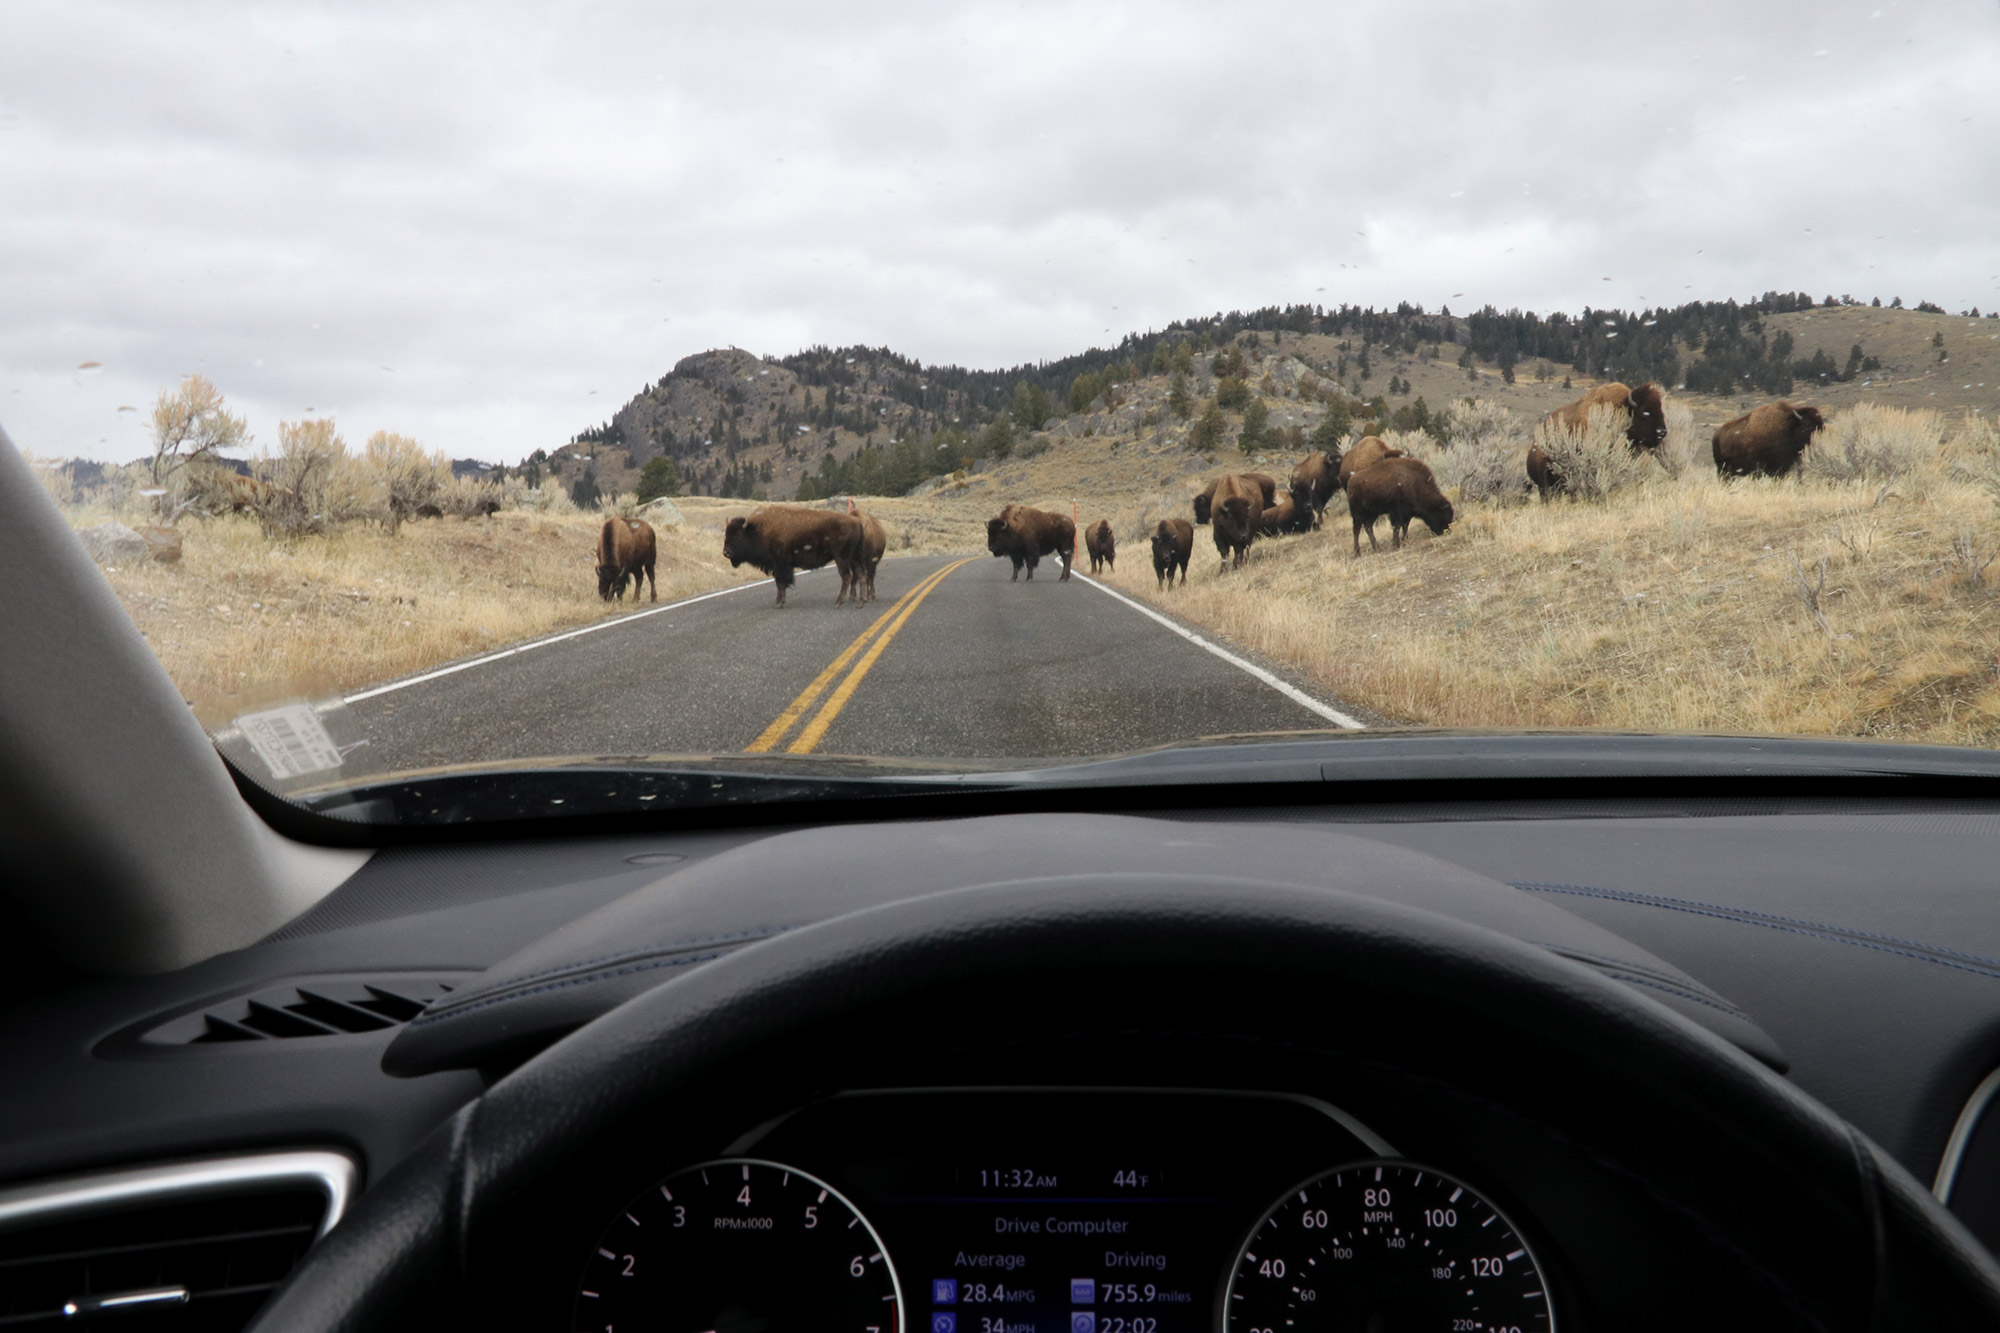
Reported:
(488, 224)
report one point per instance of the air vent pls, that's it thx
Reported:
(308, 1007)
(196, 1246)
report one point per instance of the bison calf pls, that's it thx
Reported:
(1402, 488)
(1102, 544)
(626, 550)
(1173, 543)
(779, 539)
(1770, 440)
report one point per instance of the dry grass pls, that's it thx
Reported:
(1679, 604)
(242, 621)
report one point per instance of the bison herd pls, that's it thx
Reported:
(1379, 480)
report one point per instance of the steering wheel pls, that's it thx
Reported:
(1400, 1005)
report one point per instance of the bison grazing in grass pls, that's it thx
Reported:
(1203, 502)
(1102, 544)
(1371, 450)
(779, 539)
(1313, 483)
(1235, 515)
(626, 550)
(1542, 473)
(1173, 543)
(1024, 535)
(1402, 488)
(874, 542)
(1769, 441)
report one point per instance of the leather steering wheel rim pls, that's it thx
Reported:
(1100, 952)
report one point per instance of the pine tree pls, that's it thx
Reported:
(661, 476)
(1231, 392)
(1183, 359)
(1179, 401)
(1209, 428)
(1331, 432)
(1031, 405)
(1256, 419)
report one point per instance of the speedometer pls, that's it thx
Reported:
(739, 1246)
(1386, 1247)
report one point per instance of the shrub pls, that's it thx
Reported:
(1485, 459)
(1595, 461)
(405, 475)
(1231, 392)
(1869, 442)
(1208, 428)
(312, 483)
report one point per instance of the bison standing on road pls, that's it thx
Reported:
(626, 550)
(1203, 502)
(1371, 450)
(1025, 534)
(1313, 483)
(874, 541)
(1770, 440)
(779, 539)
(1173, 543)
(1235, 515)
(1402, 488)
(1102, 544)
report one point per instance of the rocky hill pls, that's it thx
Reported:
(866, 418)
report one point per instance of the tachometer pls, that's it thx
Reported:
(739, 1246)
(1386, 1247)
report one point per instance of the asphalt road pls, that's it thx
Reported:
(950, 661)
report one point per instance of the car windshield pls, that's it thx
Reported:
(817, 395)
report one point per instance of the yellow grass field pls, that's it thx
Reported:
(242, 621)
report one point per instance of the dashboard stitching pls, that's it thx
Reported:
(1860, 939)
(470, 999)
(684, 960)
(1623, 971)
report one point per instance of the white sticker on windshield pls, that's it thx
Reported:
(290, 740)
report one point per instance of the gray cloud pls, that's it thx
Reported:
(460, 222)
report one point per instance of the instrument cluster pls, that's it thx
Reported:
(1063, 1212)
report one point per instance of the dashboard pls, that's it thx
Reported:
(1064, 1146)
(1063, 1211)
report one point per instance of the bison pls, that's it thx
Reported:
(1313, 483)
(1768, 441)
(1173, 543)
(1371, 450)
(1024, 535)
(874, 541)
(1235, 515)
(1643, 408)
(1542, 473)
(625, 550)
(779, 539)
(1287, 515)
(1402, 488)
(1202, 503)
(1102, 544)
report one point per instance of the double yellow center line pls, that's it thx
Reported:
(868, 647)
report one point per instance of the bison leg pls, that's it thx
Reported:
(652, 584)
(1063, 556)
(782, 576)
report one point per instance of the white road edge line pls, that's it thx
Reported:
(518, 649)
(1292, 692)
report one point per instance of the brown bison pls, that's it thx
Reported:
(1542, 473)
(1371, 450)
(1024, 535)
(1202, 503)
(1313, 483)
(625, 550)
(1643, 408)
(1235, 515)
(1402, 488)
(1173, 543)
(779, 539)
(1102, 545)
(1287, 515)
(1768, 441)
(874, 541)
